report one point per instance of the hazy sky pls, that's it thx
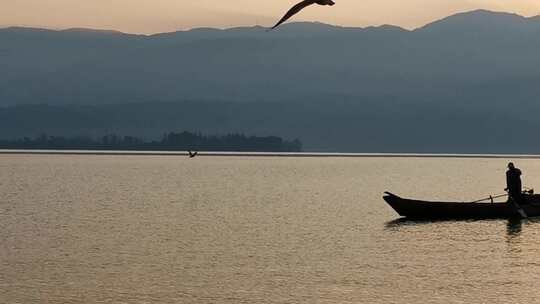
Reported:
(150, 16)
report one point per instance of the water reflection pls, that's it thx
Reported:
(404, 222)
(245, 230)
(513, 228)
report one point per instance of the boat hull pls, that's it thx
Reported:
(455, 210)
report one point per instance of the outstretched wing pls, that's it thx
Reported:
(294, 10)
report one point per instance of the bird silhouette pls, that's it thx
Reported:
(300, 6)
(192, 154)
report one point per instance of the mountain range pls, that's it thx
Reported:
(466, 83)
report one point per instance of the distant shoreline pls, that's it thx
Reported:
(264, 154)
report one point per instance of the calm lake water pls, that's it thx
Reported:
(150, 229)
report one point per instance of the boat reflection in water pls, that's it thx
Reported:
(514, 227)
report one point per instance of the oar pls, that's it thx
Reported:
(490, 197)
(518, 207)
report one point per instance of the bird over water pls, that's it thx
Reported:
(300, 6)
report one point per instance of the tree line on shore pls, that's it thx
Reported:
(171, 141)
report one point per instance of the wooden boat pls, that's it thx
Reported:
(465, 210)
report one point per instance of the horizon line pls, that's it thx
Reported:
(264, 154)
(225, 28)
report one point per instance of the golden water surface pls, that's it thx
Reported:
(148, 229)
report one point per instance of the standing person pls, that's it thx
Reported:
(513, 183)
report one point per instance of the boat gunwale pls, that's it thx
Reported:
(418, 201)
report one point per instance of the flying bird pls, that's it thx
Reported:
(300, 6)
(192, 154)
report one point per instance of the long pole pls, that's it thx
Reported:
(490, 197)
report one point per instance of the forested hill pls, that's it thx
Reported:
(467, 83)
(468, 55)
(345, 126)
(171, 141)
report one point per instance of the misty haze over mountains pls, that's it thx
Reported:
(467, 83)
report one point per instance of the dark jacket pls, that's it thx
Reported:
(513, 181)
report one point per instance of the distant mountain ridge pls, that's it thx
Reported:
(475, 17)
(92, 66)
(466, 63)
(484, 20)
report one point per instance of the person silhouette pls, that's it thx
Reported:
(513, 183)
